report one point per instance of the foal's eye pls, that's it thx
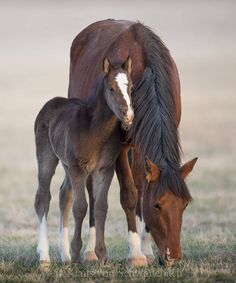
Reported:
(111, 89)
(185, 206)
(157, 206)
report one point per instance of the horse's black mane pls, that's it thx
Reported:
(155, 129)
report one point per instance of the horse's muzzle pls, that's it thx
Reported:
(167, 261)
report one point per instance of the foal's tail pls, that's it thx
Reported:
(45, 114)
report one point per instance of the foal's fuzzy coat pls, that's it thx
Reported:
(86, 141)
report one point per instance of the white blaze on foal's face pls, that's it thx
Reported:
(122, 82)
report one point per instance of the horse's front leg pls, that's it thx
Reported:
(77, 179)
(128, 198)
(101, 184)
(139, 180)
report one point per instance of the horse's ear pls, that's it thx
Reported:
(151, 170)
(106, 65)
(128, 65)
(188, 167)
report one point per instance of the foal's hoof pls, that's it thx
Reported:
(90, 256)
(137, 261)
(45, 265)
(150, 259)
(67, 262)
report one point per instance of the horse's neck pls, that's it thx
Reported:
(103, 120)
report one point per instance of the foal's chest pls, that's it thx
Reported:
(99, 153)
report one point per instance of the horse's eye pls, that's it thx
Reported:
(111, 89)
(157, 206)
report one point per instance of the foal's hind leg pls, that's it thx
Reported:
(89, 253)
(65, 203)
(47, 163)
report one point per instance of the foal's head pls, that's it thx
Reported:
(165, 198)
(118, 88)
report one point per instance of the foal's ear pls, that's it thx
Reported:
(106, 65)
(128, 65)
(151, 170)
(188, 167)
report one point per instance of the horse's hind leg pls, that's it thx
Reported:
(89, 253)
(65, 203)
(47, 162)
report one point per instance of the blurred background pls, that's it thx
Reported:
(34, 67)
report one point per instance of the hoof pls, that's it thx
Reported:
(75, 260)
(65, 259)
(150, 259)
(137, 261)
(90, 256)
(103, 261)
(45, 265)
(67, 262)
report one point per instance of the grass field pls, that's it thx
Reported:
(34, 68)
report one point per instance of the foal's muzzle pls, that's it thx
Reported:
(127, 120)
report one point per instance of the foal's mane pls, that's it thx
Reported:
(155, 131)
(99, 85)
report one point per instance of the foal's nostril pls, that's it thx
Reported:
(123, 113)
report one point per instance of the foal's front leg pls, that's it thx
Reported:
(77, 178)
(89, 252)
(101, 184)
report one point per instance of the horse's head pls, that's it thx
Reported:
(163, 208)
(118, 88)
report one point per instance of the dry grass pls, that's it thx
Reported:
(34, 68)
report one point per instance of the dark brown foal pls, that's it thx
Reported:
(86, 139)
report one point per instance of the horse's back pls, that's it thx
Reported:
(109, 38)
(116, 40)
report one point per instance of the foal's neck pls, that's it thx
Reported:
(103, 120)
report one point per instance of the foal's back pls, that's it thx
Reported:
(67, 127)
(58, 116)
(54, 108)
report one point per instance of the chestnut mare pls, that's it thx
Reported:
(86, 139)
(160, 200)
